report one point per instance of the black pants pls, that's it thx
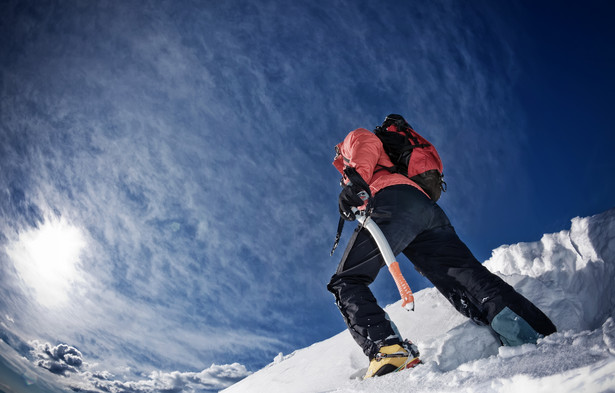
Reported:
(418, 227)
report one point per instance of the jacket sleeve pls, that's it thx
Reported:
(361, 150)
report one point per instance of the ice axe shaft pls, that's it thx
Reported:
(389, 258)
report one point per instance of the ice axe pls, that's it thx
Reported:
(389, 258)
(381, 242)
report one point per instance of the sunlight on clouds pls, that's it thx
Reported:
(46, 258)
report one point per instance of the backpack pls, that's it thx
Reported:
(412, 155)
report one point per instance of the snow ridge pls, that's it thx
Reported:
(567, 274)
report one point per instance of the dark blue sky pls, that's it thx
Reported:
(565, 91)
(168, 195)
(568, 94)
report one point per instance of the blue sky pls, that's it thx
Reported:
(168, 195)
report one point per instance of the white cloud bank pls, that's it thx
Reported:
(211, 379)
(69, 366)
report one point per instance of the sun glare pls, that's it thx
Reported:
(47, 259)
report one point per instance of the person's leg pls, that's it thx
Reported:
(367, 322)
(444, 259)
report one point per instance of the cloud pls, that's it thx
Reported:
(61, 359)
(68, 361)
(192, 145)
(212, 379)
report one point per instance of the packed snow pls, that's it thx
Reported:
(569, 275)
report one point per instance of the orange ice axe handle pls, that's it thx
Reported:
(389, 258)
(404, 289)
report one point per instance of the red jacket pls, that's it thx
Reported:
(362, 150)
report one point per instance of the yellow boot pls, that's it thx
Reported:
(393, 358)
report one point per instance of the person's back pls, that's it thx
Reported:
(363, 150)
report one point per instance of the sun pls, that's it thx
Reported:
(47, 259)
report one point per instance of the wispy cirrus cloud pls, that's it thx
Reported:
(191, 146)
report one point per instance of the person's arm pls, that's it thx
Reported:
(361, 150)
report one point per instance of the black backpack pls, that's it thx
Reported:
(412, 155)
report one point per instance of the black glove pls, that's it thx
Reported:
(349, 198)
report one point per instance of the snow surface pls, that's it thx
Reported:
(567, 274)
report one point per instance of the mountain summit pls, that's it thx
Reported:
(568, 274)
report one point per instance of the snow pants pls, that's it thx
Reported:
(418, 227)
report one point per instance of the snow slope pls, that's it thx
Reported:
(567, 274)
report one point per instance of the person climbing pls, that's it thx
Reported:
(398, 188)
